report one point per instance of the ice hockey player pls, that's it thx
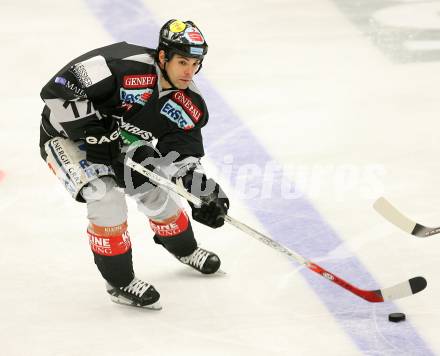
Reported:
(113, 102)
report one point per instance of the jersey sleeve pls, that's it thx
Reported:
(185, 143)
(73, 94)
(185, 114)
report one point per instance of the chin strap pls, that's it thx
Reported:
(200, 67)
(166, 77)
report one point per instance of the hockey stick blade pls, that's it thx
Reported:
(401, 290)
(405, 289)
(395, 217)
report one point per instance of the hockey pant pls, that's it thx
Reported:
(107, 211)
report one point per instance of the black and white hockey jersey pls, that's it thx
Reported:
(122, 81)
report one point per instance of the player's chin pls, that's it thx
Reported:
(183, 84)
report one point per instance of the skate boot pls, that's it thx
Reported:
(202, 260)
(138, 294)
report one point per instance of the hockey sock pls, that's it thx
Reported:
(111, 249)
(175, 234)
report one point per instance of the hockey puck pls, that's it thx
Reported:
(396, 317)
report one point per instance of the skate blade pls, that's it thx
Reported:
(124, 301)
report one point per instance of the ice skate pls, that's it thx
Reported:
(202, 260)
(138, 294)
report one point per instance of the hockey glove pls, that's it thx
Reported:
(215, 203)
(103, 141)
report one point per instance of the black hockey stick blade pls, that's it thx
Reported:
(401, 290)
(395, 217)
(417, 284)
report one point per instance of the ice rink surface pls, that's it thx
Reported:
(339, 97)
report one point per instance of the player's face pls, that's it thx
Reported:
(181, 70)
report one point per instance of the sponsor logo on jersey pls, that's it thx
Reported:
(77, 91)
(139, 81)
(61, 80)
(192, 110)
(126, 106)
(80, 73)
(177, 114)
(71, 86)
(103, 139)
(135, 96)
(145, 135)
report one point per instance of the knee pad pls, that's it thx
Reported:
(111, 249)
(176, 235)
(110, 209)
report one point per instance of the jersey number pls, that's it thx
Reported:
(74, 106)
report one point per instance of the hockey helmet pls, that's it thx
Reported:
(182, 37)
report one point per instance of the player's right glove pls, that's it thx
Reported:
(215, 203)
(103, 141)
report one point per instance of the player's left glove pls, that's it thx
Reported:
(103, 141)
(215, 203)
(129, 179)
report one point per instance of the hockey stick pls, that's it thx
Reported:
(401, 290)
(395, 217)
